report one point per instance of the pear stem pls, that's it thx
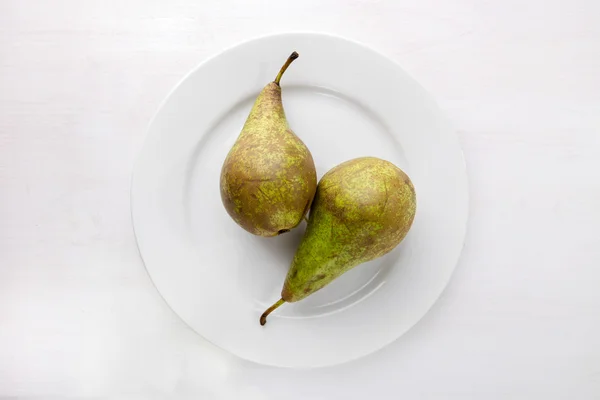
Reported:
(291, 58)
(263, 318)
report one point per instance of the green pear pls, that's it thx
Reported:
(363, 208)
(268, 179)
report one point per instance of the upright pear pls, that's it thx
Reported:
(363, 208)
(268, 179)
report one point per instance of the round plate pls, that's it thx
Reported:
(344, 101)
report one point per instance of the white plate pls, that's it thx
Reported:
(344, 100)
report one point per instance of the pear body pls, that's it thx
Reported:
(268, 179)
(363, 208)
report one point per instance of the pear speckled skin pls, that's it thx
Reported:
(268, 179)
(363, 208)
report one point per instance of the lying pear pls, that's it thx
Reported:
(363, 208)
(268, 179)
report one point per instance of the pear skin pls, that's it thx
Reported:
(268, 179)
(363, 209)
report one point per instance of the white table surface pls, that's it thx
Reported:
(79, 82)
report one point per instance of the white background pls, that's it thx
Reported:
(79, 82)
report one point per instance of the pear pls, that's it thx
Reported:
(363, 208)
(268, 179)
